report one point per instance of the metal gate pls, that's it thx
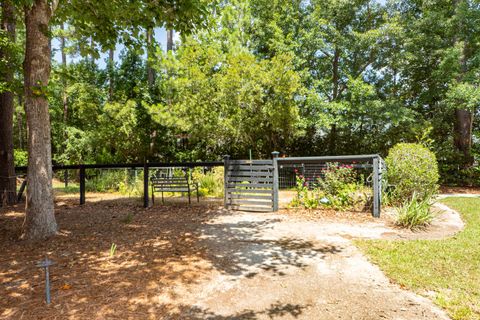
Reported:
(250, 185)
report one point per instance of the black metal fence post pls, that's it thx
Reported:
(226, 160)
(275, 180)
(376, 187)
(65, 178)
(82, 185)
(146, 200)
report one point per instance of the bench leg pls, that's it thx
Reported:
(153, 197)
(163, 199)
(189, 201)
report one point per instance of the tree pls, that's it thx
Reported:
(39, 217)
(439, 74)
(7, 165)
(106, 23)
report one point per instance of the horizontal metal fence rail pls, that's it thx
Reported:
(346, 158)
(57, 167)
(145, 166)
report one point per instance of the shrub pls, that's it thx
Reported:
(415, 212)
(336, 178)
(21, 157)
(338, 189)
(123, 181)
(209, 183)
(411, 169)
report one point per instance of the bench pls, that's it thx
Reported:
(173, 184)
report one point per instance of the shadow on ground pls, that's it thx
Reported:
(157, 249)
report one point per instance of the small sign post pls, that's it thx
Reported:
(45, 264)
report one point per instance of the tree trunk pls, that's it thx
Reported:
(169, 40)
(40, 216)
(150, 71)
(332, 143)
(20, 123)
(64, 81)
(463, 121)
(111, 53)
(151, 82)
(463, 134)
(7, 164)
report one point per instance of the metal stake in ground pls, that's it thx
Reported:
(46, 264)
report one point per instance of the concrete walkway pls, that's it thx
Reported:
(274, 266)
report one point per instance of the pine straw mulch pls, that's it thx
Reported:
(156, 249)
(330, 215)
(459, 190)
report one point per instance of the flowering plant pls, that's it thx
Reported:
(337, 187)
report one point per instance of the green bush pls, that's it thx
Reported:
(21, 157)
(123, 181)
(339, 189)
(411, 169)
(209, 183)
(415, 213)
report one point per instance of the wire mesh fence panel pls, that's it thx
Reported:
(312, 173)
(333, 178)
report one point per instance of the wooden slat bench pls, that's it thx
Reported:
(173, 184)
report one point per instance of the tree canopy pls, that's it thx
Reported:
(301, 77)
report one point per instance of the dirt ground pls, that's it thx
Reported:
(201, 262)
(459, 190)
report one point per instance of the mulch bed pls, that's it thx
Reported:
(339, 216)
(459, 190)
(155, 248)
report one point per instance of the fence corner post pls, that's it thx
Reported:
(82, 185)
(275, 180)
(226, 160)
(376, 187)
(146, 200)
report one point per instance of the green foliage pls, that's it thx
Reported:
(113, 249)
(338, 188)
(229, 102)
(302, 77)
(21, 157)
(309, 199)
(463, 96)
(210, 183)
(342, 188)
(336, 177)
(415, 213)
(411, 169)
(123, 181)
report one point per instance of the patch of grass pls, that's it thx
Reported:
(449, 268)
(113, 249)
(59, 186)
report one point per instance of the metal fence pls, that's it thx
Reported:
(146, 167)
(369, 168)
